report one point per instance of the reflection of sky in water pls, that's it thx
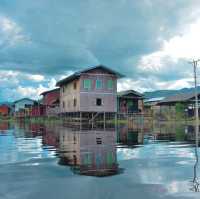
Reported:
(155, 151)
(154, 170)
(167, 164)
(18, 149)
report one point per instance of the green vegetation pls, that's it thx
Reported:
(180, 111)
(7, 118)
(180, 134)
(43, 120)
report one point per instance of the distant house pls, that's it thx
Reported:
(22, 106)
(51, 101)
(130, 101)
(21, 103)
(4, 110)
(152, 106)
(185, 99)
(90, 90)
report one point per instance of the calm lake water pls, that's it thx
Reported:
(40, 161)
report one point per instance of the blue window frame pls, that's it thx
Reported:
(99, 84)
(110, 84)
(87, 83)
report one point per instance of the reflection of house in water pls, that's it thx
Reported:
(129, 136)
(4, 126)
(168, 131)
(190, 133)
(89, 152)
(50, 135)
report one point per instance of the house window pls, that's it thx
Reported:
(87, 159)
(98, 101)
(75, 102)
(110, 84)
(63, 104)
(98, 140)
(98, 84)
(87, 83)
(63, 89)
(74, 85)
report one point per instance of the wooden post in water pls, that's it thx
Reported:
(80, 120)
(194, 63)
(196, 103)
(104, 120)
(195, 179)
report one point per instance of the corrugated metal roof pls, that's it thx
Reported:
(77, 74)
(155, 99)
(178, 98)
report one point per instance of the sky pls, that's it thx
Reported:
(149, 41)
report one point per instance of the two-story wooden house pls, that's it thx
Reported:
(93, 90)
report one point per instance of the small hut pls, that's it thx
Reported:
(130, 101)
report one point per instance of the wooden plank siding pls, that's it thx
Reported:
(108, 96)
(4, 110)
(86, 98)
(67, 95)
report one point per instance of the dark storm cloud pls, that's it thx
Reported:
(68, 35)
(53, 37)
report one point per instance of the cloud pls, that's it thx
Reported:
(30, 91)
(15, 85)
(37, 78)
(10, 33)
(44, 40)
(71, 35)
(153, 83)
(173, 57)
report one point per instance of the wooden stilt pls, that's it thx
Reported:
(80, 121)
(92, 120)
(104, 120)
(115, 121)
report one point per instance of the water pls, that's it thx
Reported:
(56, 161)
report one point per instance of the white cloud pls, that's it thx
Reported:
(17, 85)
(31, 92)
(149, 84)
(183, 46)
(10, 32)
(37, 78)
(129, 84)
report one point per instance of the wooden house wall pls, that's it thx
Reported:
(4, 110)
(37, 111)
(108, 96)
(124, 106)
(51, 97)
(86, 99)
(67, 96)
